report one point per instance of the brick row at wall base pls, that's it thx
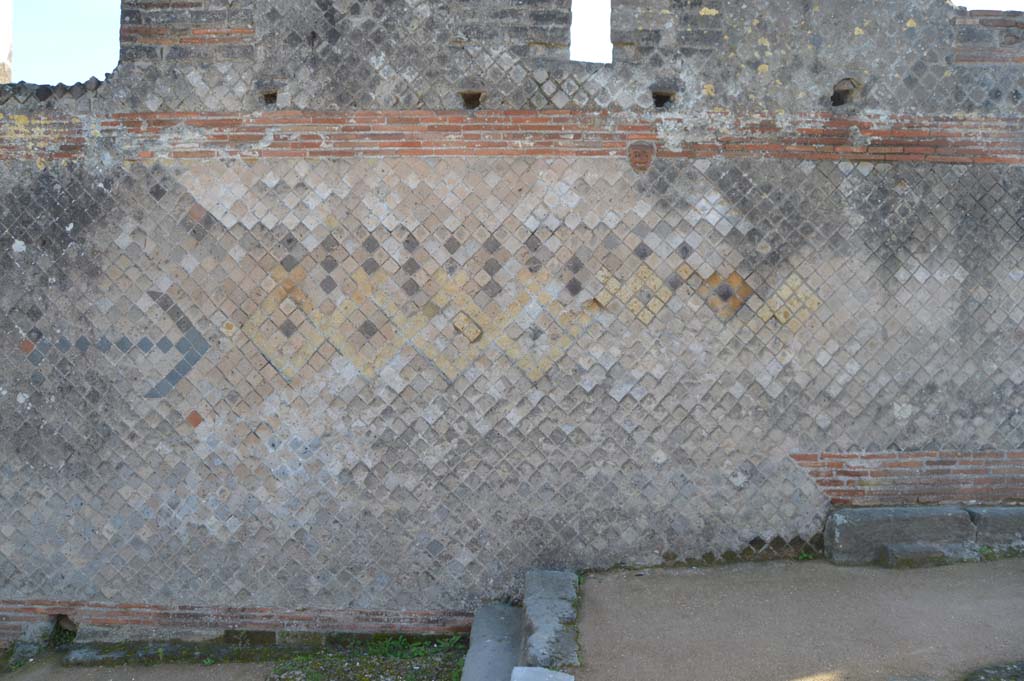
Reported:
(902, 478)
(15, 616)
(311, 134)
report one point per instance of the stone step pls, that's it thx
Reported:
(550, 610)
(999, 527)
(538, 674)
(495, 642)
(857, 536)
(923, 535)
(523, 643)
(916, 555)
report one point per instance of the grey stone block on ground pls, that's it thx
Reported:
(1010, 672)
(495, 643)
(856, 536)
(36, 632)
(916, 555)
(999, 527)
(539, 674)
(87, 656)
(550, 610)
(30, 644)
(88, 633)
(22, 652)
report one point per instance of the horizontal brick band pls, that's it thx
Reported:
(989, 37)
(175, 35)
(193, 30)
(895, 478)
(16, 614)
(311, 134)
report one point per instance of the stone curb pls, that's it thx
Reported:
(88, 633)
(538, 674)
(1001, 526)
(495, 642)
(924, 555)
(521, 644)
(922, 536)
(550, 609)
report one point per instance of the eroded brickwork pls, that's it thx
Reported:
(918, 56)
(318, 352)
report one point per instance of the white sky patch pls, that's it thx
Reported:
(65, 41)
(591, 33)
(1001, 5)
(71, 40)
(6, 30)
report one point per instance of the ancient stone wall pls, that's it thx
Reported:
(286, 325)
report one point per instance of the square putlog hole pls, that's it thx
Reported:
(471, 99)
(845, 91)
(662, 98)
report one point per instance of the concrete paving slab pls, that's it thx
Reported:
(793, 621)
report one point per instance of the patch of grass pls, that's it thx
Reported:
(362, 659)
(61, 637)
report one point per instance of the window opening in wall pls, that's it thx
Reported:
(591, 32)
(46, 42)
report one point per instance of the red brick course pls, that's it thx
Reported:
(989, 37)
(317, 134)
(15, 614)
(161, 30)
(900, 478)
(178, 35)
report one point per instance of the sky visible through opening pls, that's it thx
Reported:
(591, 26)
(68, 41)
(65, 41)
(591, 33)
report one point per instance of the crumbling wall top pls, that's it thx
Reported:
(774, 55)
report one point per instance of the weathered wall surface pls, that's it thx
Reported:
(319, 352)
(920, 56)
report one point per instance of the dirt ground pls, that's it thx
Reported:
(49, 669)
(801, 621)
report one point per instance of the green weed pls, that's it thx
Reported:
(391, 657)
